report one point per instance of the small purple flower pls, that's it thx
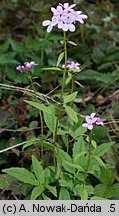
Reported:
(20, 68)
(65, 17)
(72, 65)
(91, 121)
(26, 66)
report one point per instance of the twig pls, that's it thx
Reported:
(18, 130)
(14, 146)
(28, 92)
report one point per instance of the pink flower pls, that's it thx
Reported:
(91, 121)
(72, 65)
(20, 68)
(26, 66)
(65, 17)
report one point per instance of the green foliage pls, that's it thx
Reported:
(60, 159)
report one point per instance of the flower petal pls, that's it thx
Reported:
(65, 27)
(85, 125)
(60, 24)
(49, 28)
(46, 22)
(92, 115)
(71, 27)
(90, 127)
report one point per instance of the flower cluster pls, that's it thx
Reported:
(65, 17)
(26, 66)
(92, 120)
(72, 65)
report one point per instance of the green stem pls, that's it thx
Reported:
(61, 99)
(62, 89)
(72, 85)
(40, 113)
(89, 159)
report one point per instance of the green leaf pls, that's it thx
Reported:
(72, 43)
(76, 166)
(38, 170)
(70, 97)
(78, 83)
(94, 144)
(49, 119)
(52, 189)
(66, 157)
(116, 190)
(66, 182)
(52, 69)
(8, 59)
(84, 194)
(64, 194)
(101, 149)
(78, 148)
(22, 174)
(78, 132)
(106, 176)
(102, 190)
(59, 163)
(73, 70)
(61, 56)
(78, 156)
(78, 189)
(40, 107)
(45, 197)
(37, 191)
(30, 142)
(71, 113)
(97, 198)
(99, 161)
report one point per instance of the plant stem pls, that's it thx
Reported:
(40, 113)
(89, 159)
(61, 101)
(72, 85)
(62, 89)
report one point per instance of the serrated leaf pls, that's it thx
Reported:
(70, 97)
(107, 177)
(22, 174)
(38, 170)
(36, 192)
(61, 56)
(71, 113)
(102, 190)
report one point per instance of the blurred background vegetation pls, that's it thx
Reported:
(23, 38)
